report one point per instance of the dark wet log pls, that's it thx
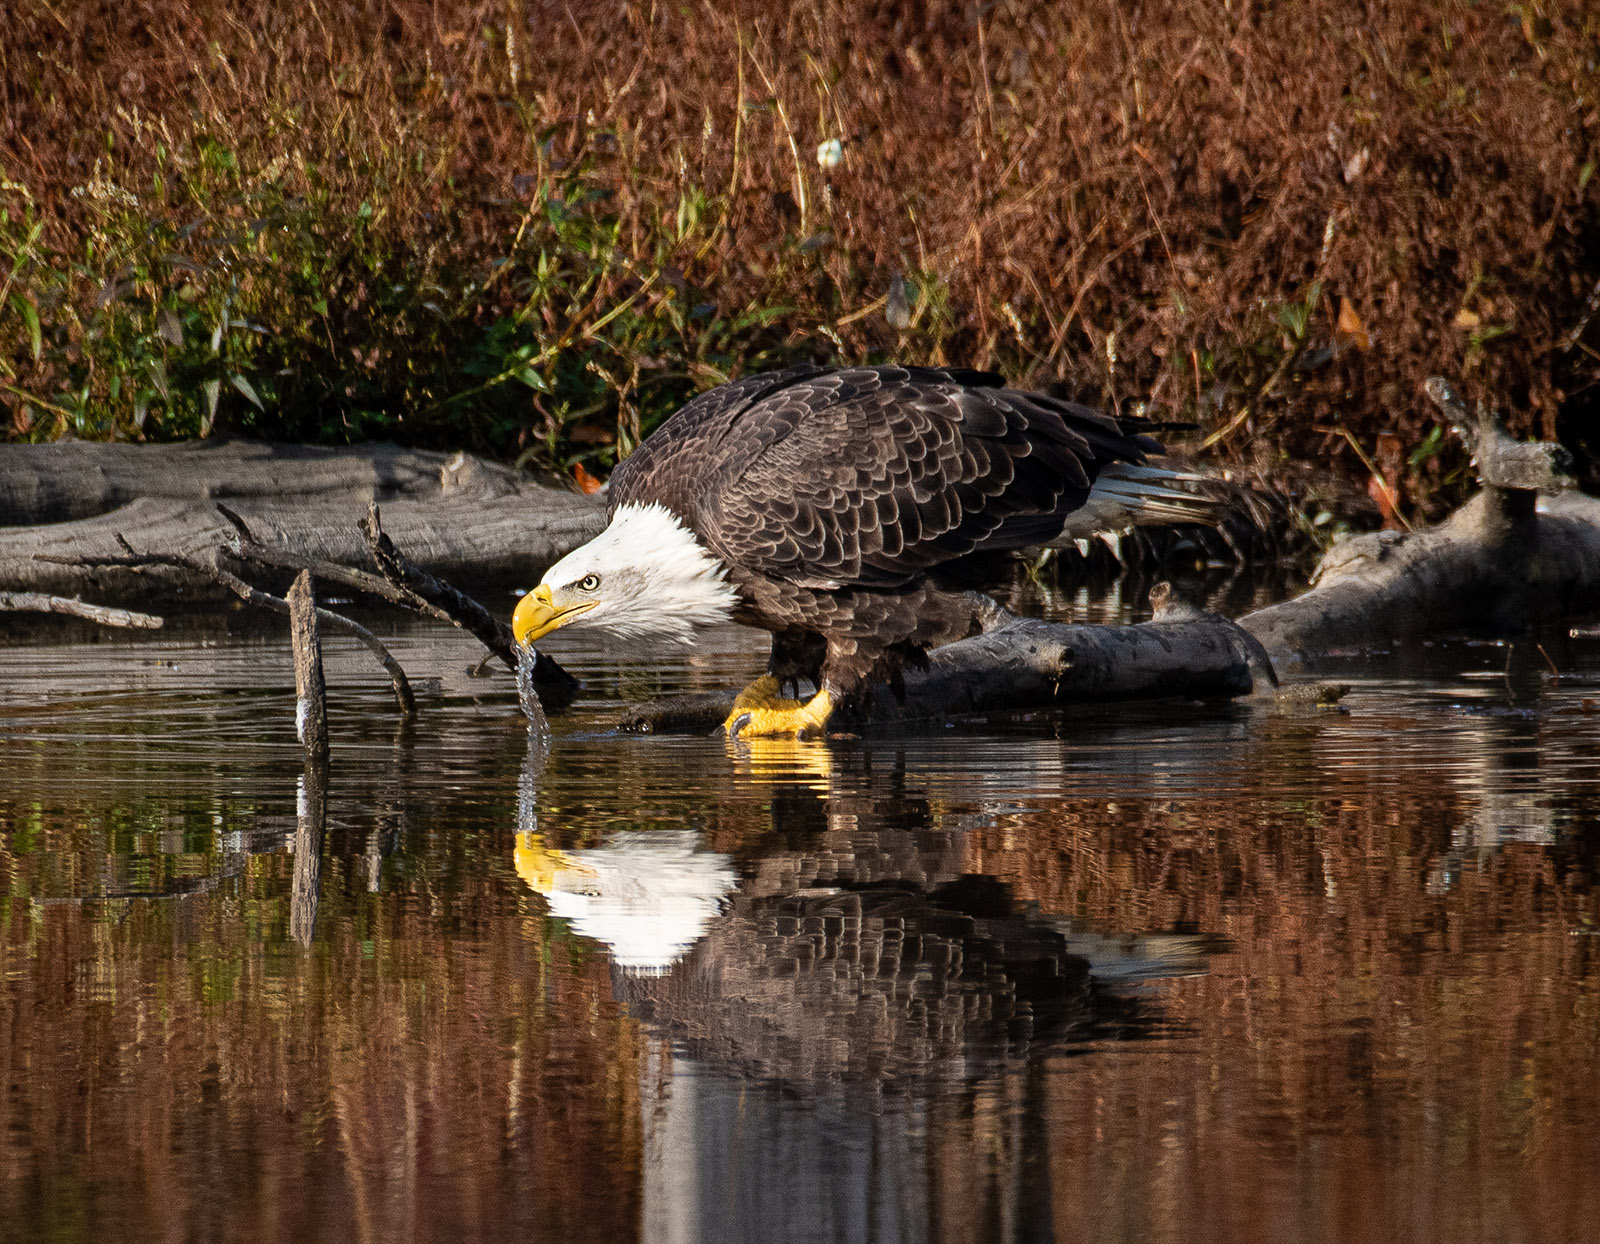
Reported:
(36, 602)
(1026, 664)
(64, 505)
(311, 693)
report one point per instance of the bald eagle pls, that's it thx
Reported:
(849, 511)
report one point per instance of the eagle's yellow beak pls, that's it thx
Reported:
(537, 614)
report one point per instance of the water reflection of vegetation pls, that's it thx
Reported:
(1406, 985)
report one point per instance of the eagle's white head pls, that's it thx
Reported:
(645, 575)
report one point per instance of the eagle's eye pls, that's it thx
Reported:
(588, 583)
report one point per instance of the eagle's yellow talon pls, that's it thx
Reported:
(783, 718)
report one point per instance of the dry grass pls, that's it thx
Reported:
(540, 226)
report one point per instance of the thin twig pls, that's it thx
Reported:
(38, 602)
(1383, 484)
(794, 147)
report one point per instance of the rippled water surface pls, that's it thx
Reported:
(1175, 974)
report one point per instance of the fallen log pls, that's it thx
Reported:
(1491, 566)
(1024, 664)
(69, 480)
(458, 517)
(1525, 550)
(63, 507)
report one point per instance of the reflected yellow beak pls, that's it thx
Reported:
(537, 614)
(541, 866)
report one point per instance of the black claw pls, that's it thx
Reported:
(739, 723)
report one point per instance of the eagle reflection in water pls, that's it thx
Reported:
(849, 1031)
(847, 943)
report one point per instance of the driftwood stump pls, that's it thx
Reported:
(311, 723)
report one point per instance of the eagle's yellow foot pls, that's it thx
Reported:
(790, 717)
(763, 693)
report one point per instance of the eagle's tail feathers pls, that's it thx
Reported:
(1127, 494)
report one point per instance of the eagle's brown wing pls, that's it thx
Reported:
(871, 476)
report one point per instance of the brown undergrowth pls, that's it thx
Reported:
(536, 228)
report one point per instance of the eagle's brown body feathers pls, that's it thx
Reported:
(852, 506)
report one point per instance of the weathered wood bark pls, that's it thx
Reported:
(311, 722)
(70, 480)
(457, 517)
(37, 602)
(1492, 566)
(310, 689)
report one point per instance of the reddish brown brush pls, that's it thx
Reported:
(1271, 220)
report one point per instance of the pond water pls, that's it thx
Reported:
(1188, 975)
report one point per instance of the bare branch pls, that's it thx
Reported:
(255, 596)
(38, 602)
(348, 576)
(310, 689)
(466, 613)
